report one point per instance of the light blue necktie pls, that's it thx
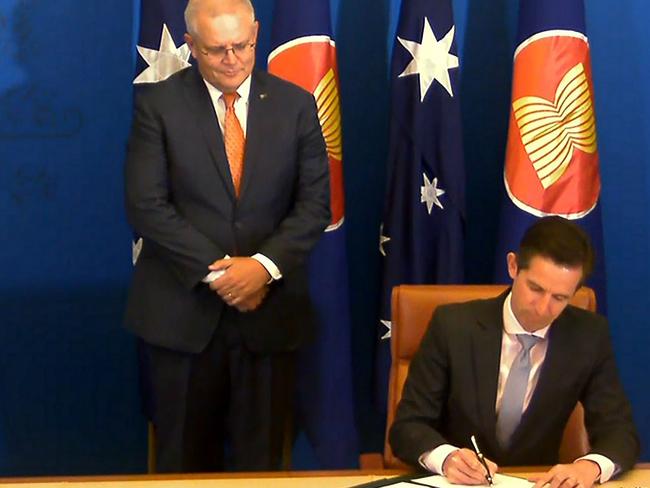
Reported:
(512, 401)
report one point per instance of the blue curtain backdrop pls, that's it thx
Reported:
(67, 371)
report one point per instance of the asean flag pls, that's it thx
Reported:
(309, 61)
(304, 53)
(552, 165)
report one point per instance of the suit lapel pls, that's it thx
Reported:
(487, 353)
(256, 130)
(201, 107)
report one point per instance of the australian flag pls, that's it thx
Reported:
(161, 51)
(304, 52)
(421, 237)
(551, 163)
(161, 48)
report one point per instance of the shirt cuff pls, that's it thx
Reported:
(269, 266)
(433, 460)
(213, 275)
(606, 465)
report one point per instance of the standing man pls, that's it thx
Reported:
(510, 371)
(227, 182)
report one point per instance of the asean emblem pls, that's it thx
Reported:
(310, 62)
(552, 157)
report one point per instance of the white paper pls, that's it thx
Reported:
(404, 484)
(500, 480)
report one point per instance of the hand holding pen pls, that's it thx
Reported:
(462, 467)
(481, 458)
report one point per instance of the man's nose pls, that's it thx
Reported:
(229, 57)
(542, 304)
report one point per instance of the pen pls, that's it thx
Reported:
(481, 458)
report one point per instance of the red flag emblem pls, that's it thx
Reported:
(310, 62)
(552, 156)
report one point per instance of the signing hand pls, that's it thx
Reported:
(243, 278)
(462, 467)
(580, 474)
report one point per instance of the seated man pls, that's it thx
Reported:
(509, 370)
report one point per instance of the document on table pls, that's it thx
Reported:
(500, 480)
(438, 481)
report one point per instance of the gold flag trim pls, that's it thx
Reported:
(329, 113)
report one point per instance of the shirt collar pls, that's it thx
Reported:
(243, 91)
(512, 326)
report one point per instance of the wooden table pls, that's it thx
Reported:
(282, 479)
(638, 478)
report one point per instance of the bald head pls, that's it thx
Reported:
(214, 8)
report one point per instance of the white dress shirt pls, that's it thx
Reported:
(241, 111)
(433, 460)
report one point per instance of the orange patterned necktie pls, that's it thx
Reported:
(234, 140)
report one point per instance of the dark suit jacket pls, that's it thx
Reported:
(180, 198)
(450, 392)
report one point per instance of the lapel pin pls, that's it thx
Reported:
(262, 96)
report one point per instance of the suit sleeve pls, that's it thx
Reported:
(608, 415)
(419, 413)
(149, 208)
(303, 225)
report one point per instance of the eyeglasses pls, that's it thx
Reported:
(220, 52)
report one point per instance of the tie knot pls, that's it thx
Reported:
(229, 99)
(527, 341)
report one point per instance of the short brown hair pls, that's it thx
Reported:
(560, 240)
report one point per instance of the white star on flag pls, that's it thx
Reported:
(389, 326)
(431, 59)
(165, 62)
(382, 240)
(136, 249)
(430, 192)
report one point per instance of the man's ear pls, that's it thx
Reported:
(513, 267)
(190, 42)
(257, 29)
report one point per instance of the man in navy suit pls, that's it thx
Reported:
(510, 370)
(227, 182)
